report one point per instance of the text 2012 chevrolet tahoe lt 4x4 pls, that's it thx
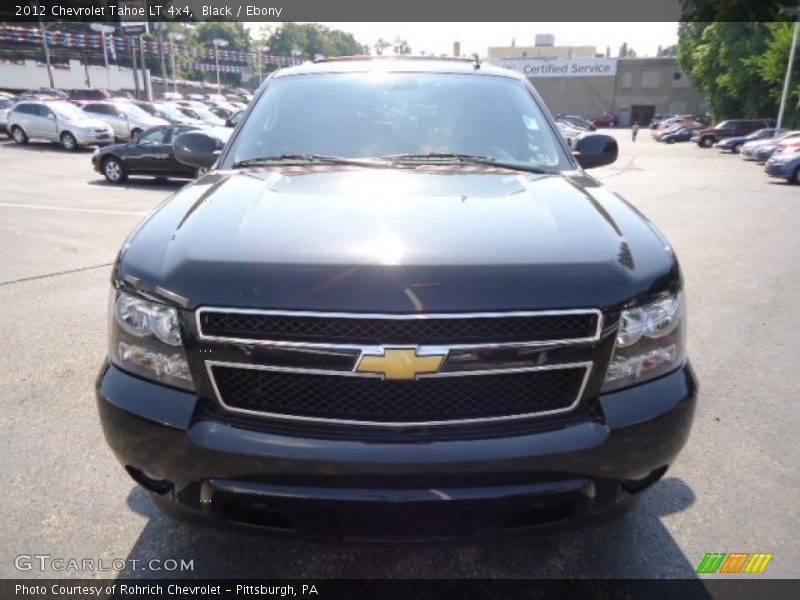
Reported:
(396, 307)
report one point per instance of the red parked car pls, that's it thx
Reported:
(85, 96)
(605, 120)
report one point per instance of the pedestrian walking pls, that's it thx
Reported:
(635, 130)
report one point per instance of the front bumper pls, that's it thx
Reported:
(362, 489)
(779, 170)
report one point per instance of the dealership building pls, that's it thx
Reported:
(577, 80)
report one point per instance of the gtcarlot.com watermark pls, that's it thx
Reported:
(47, 562)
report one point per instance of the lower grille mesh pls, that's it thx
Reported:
(371, 399)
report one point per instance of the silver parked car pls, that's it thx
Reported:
(125, 118)
(56, 121)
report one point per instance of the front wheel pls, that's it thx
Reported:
(795, 178)
(68, 142)
(114, 170)
(670, 141)
(199, 172)
(707, 142)
(18, 135)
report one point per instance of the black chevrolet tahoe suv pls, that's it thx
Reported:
(396, 307)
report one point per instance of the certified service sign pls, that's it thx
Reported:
(561, 67)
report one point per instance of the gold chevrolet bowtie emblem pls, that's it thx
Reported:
(400, 363)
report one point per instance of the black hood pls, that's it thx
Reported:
(392, 240)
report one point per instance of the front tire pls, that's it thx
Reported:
(795, 178)
(68, 142)
(18, 135)
(114, 170)
(707, 142)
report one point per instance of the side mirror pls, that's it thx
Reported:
(51, 116)
(595, 150)
(197, 149)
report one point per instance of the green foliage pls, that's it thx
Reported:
(311, 39)
(738, 65)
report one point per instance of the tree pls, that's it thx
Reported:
(312, 39)
(738, 65)
(381, 45)
(736, 58)
(401, 46)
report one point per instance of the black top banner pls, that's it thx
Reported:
(404, 589)
(338, 10)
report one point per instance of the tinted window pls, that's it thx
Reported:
(399, 113)
(154, 136)
(25, 109)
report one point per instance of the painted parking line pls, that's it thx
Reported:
(140, 213)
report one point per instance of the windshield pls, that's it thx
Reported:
(203, 112)
(170, 111)
(371, 115)
(133, 111)
(68, 111)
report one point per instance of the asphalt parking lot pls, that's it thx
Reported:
(734, 488)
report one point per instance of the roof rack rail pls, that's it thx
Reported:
(471, 59)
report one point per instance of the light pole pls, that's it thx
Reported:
(296, 51)
(259, 50)
(104, 30)
(174, 36)
(43, 30)
(796, 12)
(218, 43)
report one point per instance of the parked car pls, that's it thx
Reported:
(6, 105)
(152, 153)
(168, 112)
(199, 111)
(234, 119)
(761, 150)
(683, 134)
(82, 97)
(734, 144)
(43, 95)
(576, 122)
(676, 126)
(56, 121)
(656, 120)
(430, 326)
(605, 120)
(705, 138)
(172, 96)
(126, 119)
(785, 165)
(570, 133)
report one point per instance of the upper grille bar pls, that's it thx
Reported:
(357, 330)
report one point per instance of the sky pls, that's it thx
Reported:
(438, 38)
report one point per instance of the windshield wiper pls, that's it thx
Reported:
(466, 159)
(307, 158)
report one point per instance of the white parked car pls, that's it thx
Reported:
(125, 118)
(56, 121)
(6, 104)
(198, 110)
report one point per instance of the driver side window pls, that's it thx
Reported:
(155, 136)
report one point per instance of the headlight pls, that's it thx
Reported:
(146, 340)
(650, 343)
